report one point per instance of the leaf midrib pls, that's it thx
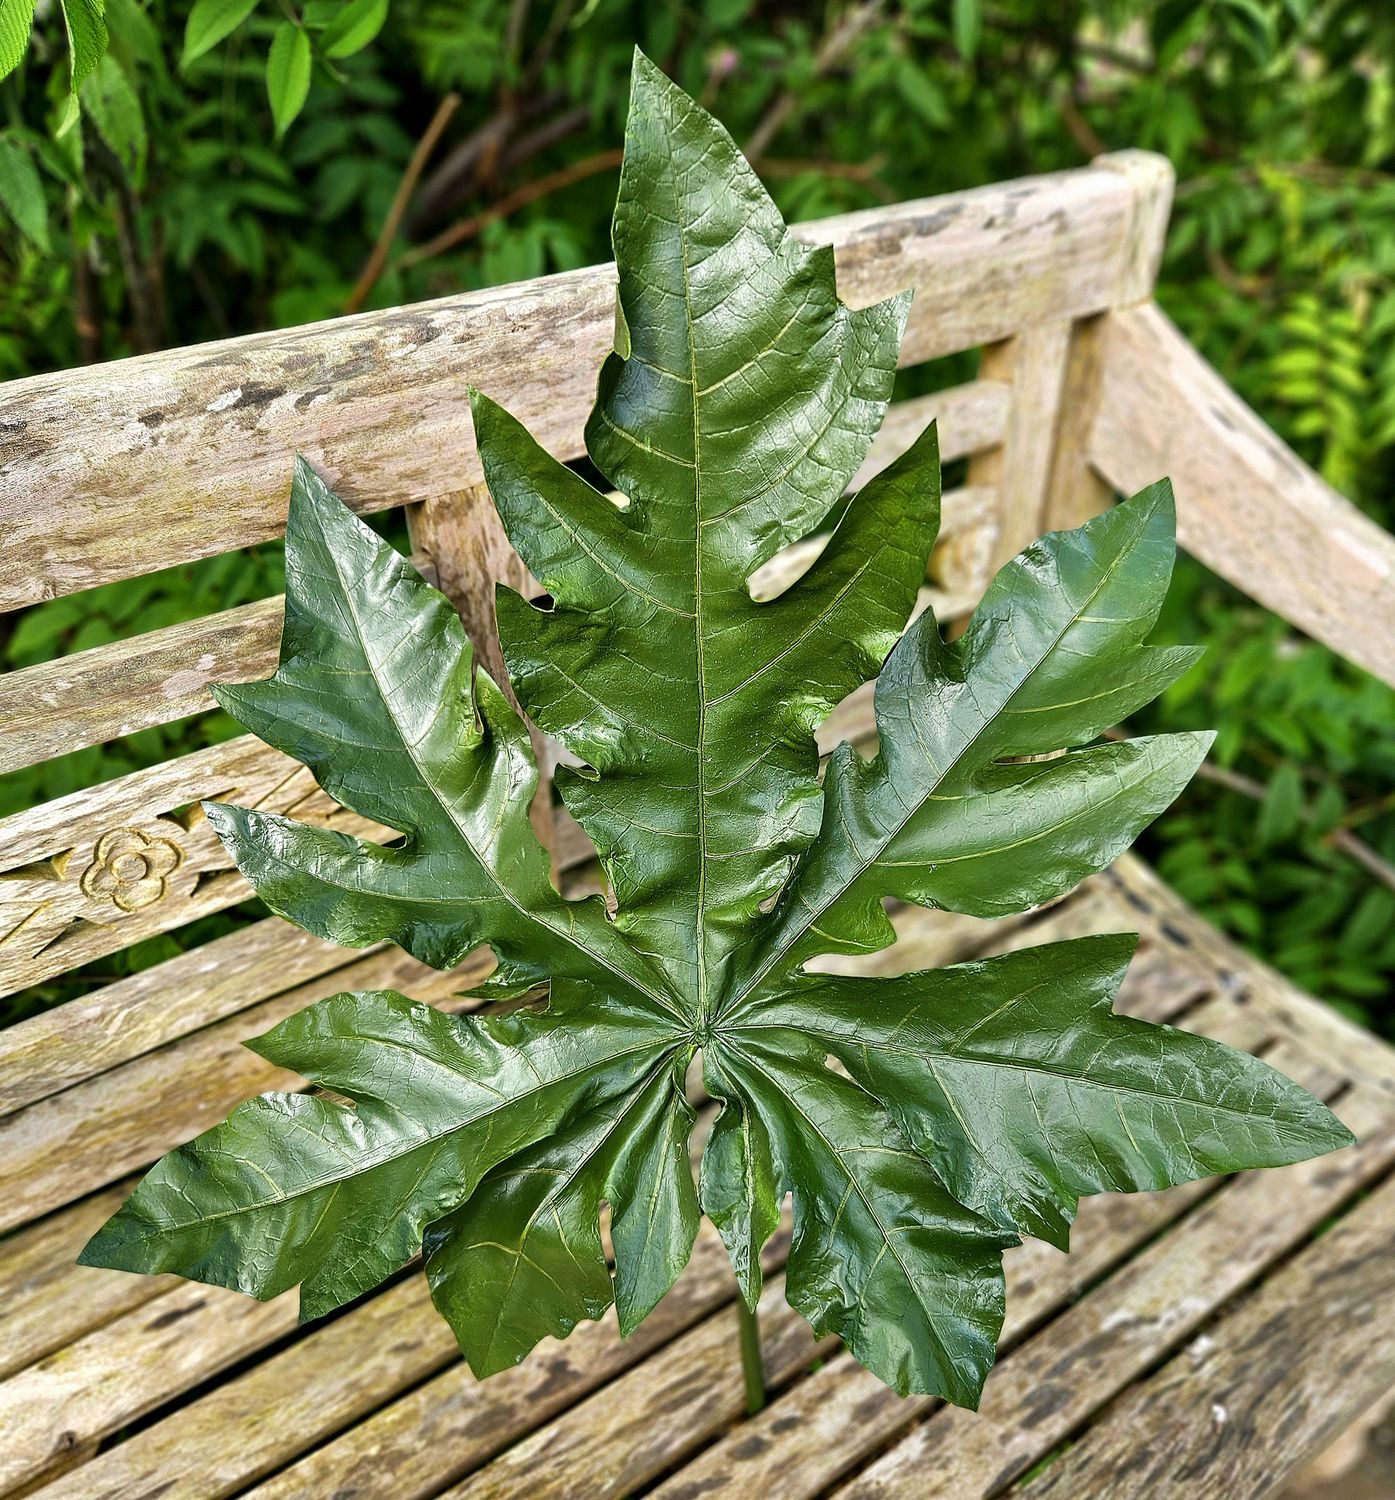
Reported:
(979, 1060)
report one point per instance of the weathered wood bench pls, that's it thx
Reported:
(1200, 1342)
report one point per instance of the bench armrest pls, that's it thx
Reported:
(1247, 505)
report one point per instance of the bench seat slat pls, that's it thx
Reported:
(94, 1033)
(1241, 1407)
(47, 1300)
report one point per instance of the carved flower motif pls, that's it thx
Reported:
(130, 869)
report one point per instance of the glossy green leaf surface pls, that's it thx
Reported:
(1018, 1082)
(918, 1124)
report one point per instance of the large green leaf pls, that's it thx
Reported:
(917, 1123)
(741, 401)
(296, 1188)
(1025, 1090)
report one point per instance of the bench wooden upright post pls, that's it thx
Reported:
(1200, 1342)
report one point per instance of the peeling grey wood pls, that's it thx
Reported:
(1244, 1405)
(127, 467)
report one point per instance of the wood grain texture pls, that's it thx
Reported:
(349, 1376)
(1033, 364)
(1247, 506)
(102, 868)
(1075, 491)
(651, 1417)
(1242, 1407)
(1151, 182)
(46, 1299)
(107, 691)
(57, 1048)
(182, 454)
(132, 1366)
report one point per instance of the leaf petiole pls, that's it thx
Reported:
(749, 1323)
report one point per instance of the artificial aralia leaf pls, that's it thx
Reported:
(917, 1123)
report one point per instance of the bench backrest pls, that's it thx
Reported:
(121, 469)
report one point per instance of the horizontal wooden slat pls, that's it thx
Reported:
(128, 1367)
(93, 1033)
(1247, 506)
(353, 1366)
(1245, 1404)
(97, 695)
(186, 453)
(98, 870)
(46, 1299)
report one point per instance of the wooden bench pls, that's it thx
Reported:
(1200, 1342)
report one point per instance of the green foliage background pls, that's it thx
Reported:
(184, 197)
